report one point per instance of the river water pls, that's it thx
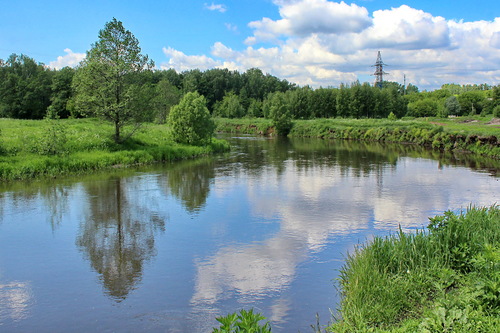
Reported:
(169, 248)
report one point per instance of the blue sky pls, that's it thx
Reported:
(315, 42)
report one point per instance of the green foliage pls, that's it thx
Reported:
(258, 126)
(297, 103)
(471, 102)
(478, 137)
(25, 88)
(279, 114)
(52, 140)
(496, 111)
(423, 108)
(62, 94)
(244, 321)
(107, 84)
(166, 95)
(37, 148)
(392, 116)
(254, 109)
(452, 106)
(229, 107)
(2, 149)
(190, 122)
(440, 280)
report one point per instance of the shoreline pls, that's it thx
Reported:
(482, 140)
(31, 149)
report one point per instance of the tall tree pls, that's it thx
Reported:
(166, 96)
(108, 83)
(61, 93)
(24, 88)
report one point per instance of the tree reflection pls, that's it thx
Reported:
(189, 181)
(118, 235)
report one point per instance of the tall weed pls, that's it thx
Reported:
(446, 276)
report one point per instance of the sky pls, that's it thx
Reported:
(307, 42)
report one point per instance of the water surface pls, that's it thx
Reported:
(169, 248)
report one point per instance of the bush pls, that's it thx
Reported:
(190, 121)
(229, 107)
(496, 111)
(423, 108)
(245, 321)
(280, 115)
(452, 106)
(52, 141)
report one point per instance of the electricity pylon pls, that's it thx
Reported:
(379, 71)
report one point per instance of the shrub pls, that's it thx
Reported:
(190, 121)
(52, 141)
(245, 321)
(280, 115)
(423, 108)
(496, 111)
(452, 106)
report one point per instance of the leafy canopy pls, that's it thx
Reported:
(108, 83)
(190, 121)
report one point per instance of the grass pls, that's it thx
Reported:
(443, 279)
(466, 134)
(34, 148)
(258, 126)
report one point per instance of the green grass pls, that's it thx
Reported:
(466, 134)
(258, 126)
(444, 279)
(31, 148)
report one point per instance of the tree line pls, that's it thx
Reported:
(31, 90)
(118, 83)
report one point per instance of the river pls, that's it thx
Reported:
(168, 248)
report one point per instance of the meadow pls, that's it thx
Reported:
(49, 148)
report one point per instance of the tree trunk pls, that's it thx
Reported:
(117, 131)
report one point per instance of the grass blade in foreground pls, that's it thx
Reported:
(446, 279)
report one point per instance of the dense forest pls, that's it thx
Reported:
(31, 90)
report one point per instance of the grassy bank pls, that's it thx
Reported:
(444, 279)
(477, 135)
(34, 148)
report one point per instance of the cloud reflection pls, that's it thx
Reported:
(314, 199)
(16, 299)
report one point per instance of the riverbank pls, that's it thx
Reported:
(444, 279)
(478, 135)
(49, 148)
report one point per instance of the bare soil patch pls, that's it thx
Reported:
(494, 121)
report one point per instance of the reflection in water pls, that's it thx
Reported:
(315, 191)
(15, 300)
(118, 234)
(189, 181)
(56, 200)
(263, 226)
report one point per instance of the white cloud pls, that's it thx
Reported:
(216, 7)
(495, 40)
(231, 27)
(71, 59)
(325, 43)
(182, 62)
(406, 28)
(301, 18)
